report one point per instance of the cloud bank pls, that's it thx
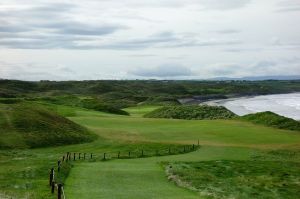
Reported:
(62, 39)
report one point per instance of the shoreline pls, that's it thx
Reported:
(287, 104)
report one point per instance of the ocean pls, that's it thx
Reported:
(287, 105)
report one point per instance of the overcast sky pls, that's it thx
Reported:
(143, 39)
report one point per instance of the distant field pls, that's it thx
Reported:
(136, 178)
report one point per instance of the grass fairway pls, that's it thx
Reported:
(139, 178)
(122, 179)
(24, 174)
(209, 132)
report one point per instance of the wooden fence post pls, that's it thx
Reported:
(104, 156)
(91, 156)
(118, 154)
(142, 153)
(58, 165)
(69, 156)
(79, 156)
(74, 156)
(193, 146)
(52, 187)
(129, 154)
(184, 149)
(84, 156)
(51, 176)
(63, 158)
(59, 191)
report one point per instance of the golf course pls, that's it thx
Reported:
(157, 174)
(149, 99)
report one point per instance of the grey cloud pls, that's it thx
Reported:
(46, 26)
(77, 28)
(223, 4)
(288, 9)
(102, 30)
(65, 69)
(209, 42)
(44, 11)
(49, 26)
(228, 31)
(149, 41)
(169, 40)
(13, 28)
(73, 41)
(261, 64)
(239, 50)
(205, 4)
(167, 70)
(288, 6)
(262, 67)
(142, 55)
(224, 69)
(26, 71)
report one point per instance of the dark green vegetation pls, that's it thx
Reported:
(120, 94)
(239, 178)
(192, 112)
(197, 112)
(30, 125)
(82, 102)
(274, 120)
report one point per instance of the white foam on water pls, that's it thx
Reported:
(283, 104)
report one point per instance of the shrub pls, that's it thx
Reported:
(192, 112)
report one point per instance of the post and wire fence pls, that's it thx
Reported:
(56, 179)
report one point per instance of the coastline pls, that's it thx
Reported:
(287, 104)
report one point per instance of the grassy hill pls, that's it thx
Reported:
(191, 112)
(127, 93)
(30, 125)
(274, 120)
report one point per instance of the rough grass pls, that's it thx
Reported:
(31, 125)
(191, 112)
(274, 120)
(240, 179)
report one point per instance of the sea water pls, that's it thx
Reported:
(283, 104)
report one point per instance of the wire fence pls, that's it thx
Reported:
(56, 180)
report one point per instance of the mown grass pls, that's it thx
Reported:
(24, 173)
(140, 178)
(217, 132)
(140, 111)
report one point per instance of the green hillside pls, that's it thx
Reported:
(274, 120)
(191, 112)
(24, 125)
(126, 93)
